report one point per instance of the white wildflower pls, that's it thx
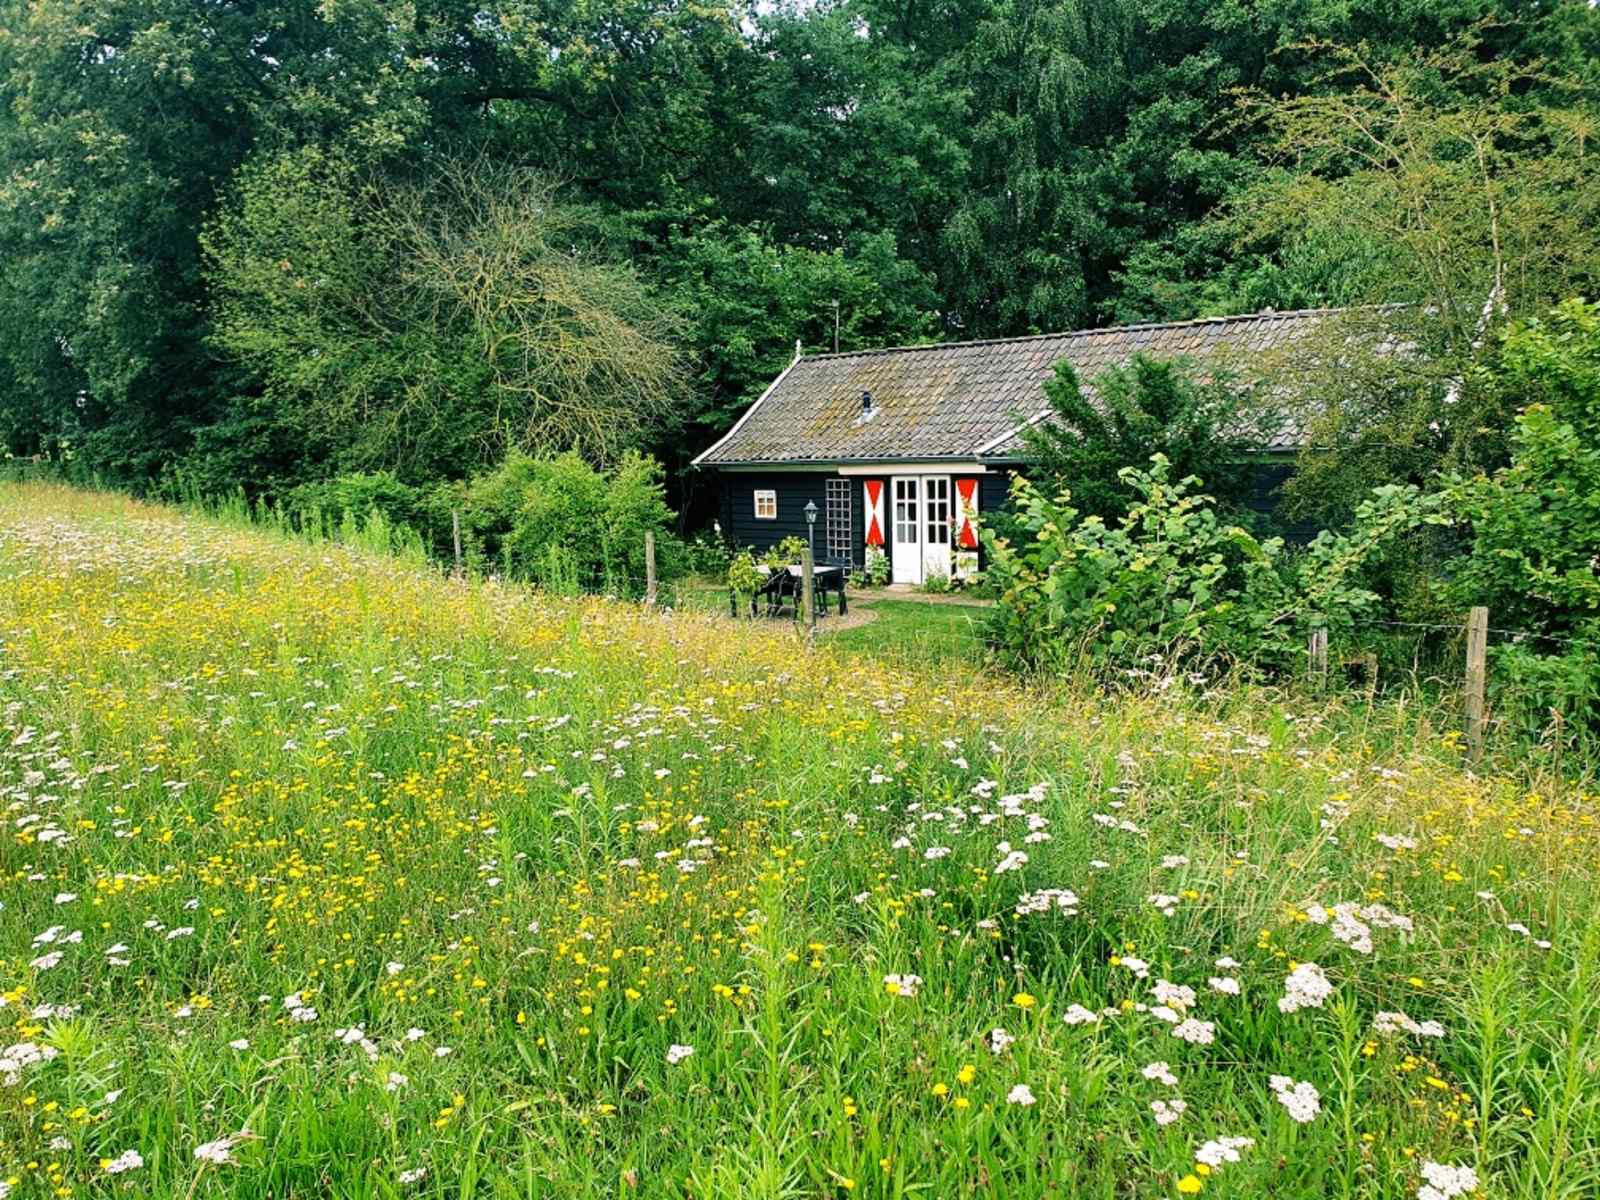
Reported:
(1302, 1100)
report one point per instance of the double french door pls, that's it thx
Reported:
(920, 514)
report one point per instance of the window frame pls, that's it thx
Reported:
(769, 496)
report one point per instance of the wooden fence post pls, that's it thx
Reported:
(1477, 669)
(455, 533)
(1319, 659)
(808, 592)
(649, 567)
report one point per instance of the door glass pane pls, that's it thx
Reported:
(938, 510)
(905, 511)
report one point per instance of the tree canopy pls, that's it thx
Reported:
(532, 225)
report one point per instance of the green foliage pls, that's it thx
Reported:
(1535, 523)
(786, 552)
(1133, 412)
(937, 585)
(875, 569)
(750, 299)
(744, 577)
(1170, 582)
(358, 495)
(431, 326)
(562, 522)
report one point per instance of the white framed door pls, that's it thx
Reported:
(936, 514)
(905, 529)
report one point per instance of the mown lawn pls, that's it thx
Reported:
(327, 876)
(913, 630)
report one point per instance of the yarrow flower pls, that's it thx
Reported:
(1302, 1100)
(1305, 987)
(1398, 1022)
(1222, 1150)
(1160, 1072)
(128, 1160)
(1077, 1014)
(1021, 1094)
(1445, 1181)
(220, 1152)
(1195, 1032)
(1167, 1111)
(677, 1053)
(1063, 900)
(999, 1039)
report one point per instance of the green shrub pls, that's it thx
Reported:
(560, 522)
(744, 577)
(329, 503)
(1171, 581)
(790, 550)
(1535, 524)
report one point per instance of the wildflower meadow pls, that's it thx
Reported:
(325, 874)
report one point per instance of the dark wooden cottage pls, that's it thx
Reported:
(902, 449)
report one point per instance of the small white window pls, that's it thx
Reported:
(766, 504)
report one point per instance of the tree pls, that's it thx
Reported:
(430, 326)
(1467, 189)
(1130, 413)
(1534, 524)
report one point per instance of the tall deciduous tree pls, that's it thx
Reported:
(429, 327)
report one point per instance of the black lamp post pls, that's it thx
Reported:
(811, 527)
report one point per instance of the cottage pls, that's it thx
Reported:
(901, 449)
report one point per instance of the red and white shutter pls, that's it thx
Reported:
(966, 561)
(966, 514)
(874, 496)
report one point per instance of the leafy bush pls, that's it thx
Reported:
(561, 522)
(331, 501)
(790, 550)
(936, 585)
(708, 552)
(875, 572)
(744, 577)
(1535, 524)
(1171, 579)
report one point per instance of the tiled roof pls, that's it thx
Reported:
(967, 400)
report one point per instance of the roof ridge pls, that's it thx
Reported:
(1103, 329)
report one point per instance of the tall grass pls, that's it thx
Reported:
(347, 871)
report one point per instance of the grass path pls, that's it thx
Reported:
(326, 876)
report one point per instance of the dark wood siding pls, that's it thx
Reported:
(794, 489)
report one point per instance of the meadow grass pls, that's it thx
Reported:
(325, 875)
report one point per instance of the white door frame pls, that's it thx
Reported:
(938, 515)
(905, 529)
